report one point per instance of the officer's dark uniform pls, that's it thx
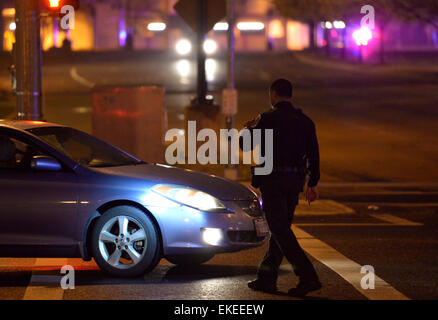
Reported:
(296, 153)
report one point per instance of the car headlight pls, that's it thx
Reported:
(190, 197)
(210, 46)
(183, 47)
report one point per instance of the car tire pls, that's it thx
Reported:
(188, 260)
(125, 242)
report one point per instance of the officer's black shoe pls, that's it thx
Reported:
(259, 285)
(304, 287)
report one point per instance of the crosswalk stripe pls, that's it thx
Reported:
(45, 287)
(395, 204)
(395, 220)
(355, 225)
(345, 267)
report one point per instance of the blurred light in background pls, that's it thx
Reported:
(250, 26)
(210, 46)
(297, 35)
(183, 47)
(339, 24)
(276, 29)
(8, 34)
(333, 33)
(210, 69)
(221, 26)
(157, 26)
(183, 68)
(8, 12)
(122, 38)
(8, 40)
(362, 36)
(122, 33)
(54, 3)
(328, 25)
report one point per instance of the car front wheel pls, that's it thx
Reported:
(125, 242)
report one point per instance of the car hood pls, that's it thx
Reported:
(220, 188)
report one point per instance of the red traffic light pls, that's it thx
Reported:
(54, 3)
(54, 6)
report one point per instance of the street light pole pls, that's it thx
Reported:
(2, 27)
(231, 21)
(28, 59)
(202, 26)
(230, 94)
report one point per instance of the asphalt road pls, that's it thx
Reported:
(399, 240)
(378, 138)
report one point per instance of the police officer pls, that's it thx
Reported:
(295, 155)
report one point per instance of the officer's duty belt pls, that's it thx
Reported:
(287, 169)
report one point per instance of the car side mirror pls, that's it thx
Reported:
(45, 163)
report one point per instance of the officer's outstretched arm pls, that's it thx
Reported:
(246, 138)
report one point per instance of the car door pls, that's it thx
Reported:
(38, 209)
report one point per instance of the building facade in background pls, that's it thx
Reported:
(154, 25)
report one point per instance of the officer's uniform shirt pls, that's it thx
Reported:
(295, 140)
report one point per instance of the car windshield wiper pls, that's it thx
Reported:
(107, 165)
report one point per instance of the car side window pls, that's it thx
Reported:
(16, 154)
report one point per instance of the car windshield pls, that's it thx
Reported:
(84, 148)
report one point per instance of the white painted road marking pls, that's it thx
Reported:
(45, 287)
(397, 204)
(50, 262)
(353, 225)
(397, 221)
(75, 76)
(346, 268)
(322, 208)
(341, 184)
(392, 221)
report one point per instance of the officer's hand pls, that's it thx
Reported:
(312, 194)
(253, 122)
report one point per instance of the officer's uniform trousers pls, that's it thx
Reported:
(280, 197)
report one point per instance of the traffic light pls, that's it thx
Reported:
(54, 3)
(54, 6)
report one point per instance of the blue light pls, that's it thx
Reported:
(122, 37)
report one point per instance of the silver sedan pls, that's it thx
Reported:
(64, 193)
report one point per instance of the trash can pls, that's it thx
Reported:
(133, 119)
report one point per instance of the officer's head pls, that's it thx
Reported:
(280, 90)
